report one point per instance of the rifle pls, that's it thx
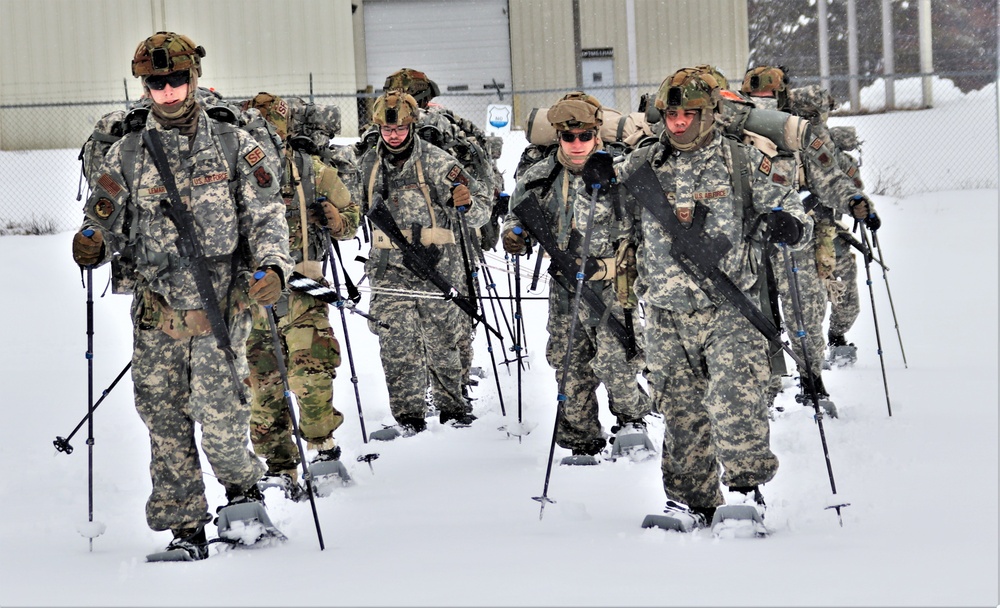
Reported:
(563, 265)
(422, 261)
(190, 250)
(698, 254)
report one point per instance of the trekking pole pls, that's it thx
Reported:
(892, 307)
(518, 327)
(367, 458)
(279, 355)
(473, 275)
(600, 160)
(871, 294)
(62, 445)
(93, 529)
(793, 287)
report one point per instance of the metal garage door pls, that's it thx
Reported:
(463, 46)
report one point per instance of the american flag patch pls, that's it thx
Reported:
(110, 185)
(816, 144)
(852, 171)
(254, 156)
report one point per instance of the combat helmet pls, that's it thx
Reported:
(395, 108)
(714, 72)
(166, 52)
(845, 138)
(576, 110)
(414, 82)
(765, 79)
(812, 102)
(690, 89)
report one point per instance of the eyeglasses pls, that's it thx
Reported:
(400, 130)
(174, 79)
(569, 138)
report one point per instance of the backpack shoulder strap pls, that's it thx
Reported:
(739, 171)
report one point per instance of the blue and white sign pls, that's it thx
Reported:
(498, 119)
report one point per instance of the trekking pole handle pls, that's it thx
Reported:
(88, 233)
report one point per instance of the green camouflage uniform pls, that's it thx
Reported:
(420, 348)
(312, 351)
(707, 364)
(180, 376)
(597, 356)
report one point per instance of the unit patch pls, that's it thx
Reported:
(209, 179)
(824, 158)
(816, 144)
(103, 208)
(254, 156)
(263, 177)
(110, 185)
(852, 171)
(779, 179)
(454, 173)
(765, 166)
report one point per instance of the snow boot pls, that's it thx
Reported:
(805, 395)
(742, 516)
(458, 420)
(407, 426)
(630, 439)
(286, 481)
(585, 454)
(841, 353)
(328, 471)
(679, 517)
(244, 520)
(188, 545)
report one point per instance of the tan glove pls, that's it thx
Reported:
(860, 207)
(88, 250)
(514, 243)
(267, 289)
(330, 217)
(461, 197)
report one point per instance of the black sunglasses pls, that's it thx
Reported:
(174, 79)
(569, 138)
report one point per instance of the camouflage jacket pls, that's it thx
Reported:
(704, 177)
(237, 210)
(419, 192)
(563, 195)
(318, 180)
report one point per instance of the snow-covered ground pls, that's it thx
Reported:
(446, 517)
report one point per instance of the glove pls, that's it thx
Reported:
(513, 241)
(860, 207)
(873, 222)
(784, 228)
(266, 288)
(460, 196)
(326, 214)
(599, 170)
(88, 249)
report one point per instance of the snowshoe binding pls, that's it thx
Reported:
(679, 517)
(286, 481)
(407, 427)
(841, 354)
(631, 440)
(328, 472)
(586, 454)
(188, 545)
(805, 397)
(244, 521)
(741, 517)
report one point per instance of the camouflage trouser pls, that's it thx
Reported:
(420, 348)
(707, 370)
(596, 357)
(312, 355)
(844, 312)
(178, 383)
(812, 294)
(465, 351)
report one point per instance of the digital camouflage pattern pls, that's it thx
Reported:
(707, 365)
(180, 376)
(312, 352)
(597, 356)
(420, 346)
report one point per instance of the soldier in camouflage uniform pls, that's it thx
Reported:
(181, 377)
(845, 304)
(813, 169)
(596, 355)
(478, 154)
(313, 193)
(707, 363)
(421, 185)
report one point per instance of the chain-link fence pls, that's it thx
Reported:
(42, 189)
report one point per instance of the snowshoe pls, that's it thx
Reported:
(459, 420)
(585, 455)
(841, 354)
(244, 521)
(286, 482)
(328, 472)
(407, 427)
(477, 371)
(631, 440)
(805, 395)
(743, 517)
(679, 517)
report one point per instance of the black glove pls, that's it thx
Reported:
(783, 227)
(599, 170)
(873, 222)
